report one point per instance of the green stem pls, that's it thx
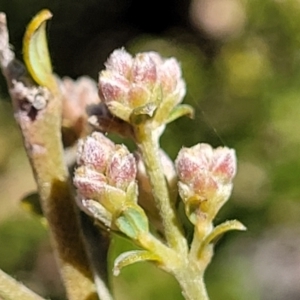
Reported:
(188, 271)
(185, 268)
(148, 143)
(10, 289)
(168, 256)
(202, 229)
(192, 284)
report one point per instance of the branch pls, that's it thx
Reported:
(38, 113)
(10, 289)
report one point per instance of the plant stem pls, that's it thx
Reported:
(41, 130)
(10, 289)
(186, 269)
(188, 273)
(148, 143)
(43, 144)
(191, 282)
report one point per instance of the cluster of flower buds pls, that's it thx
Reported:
(144, 85)
(105, 182)
(132, 88)
(126, 192)
(205, 179)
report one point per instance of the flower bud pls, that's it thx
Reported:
(89, 183)
(129, 83)
(224, 164)
(121, 170)
(113, 87)
(206, 174)
(144, 70)
(95, 151)
(120, 62)
(171, 81)
(106, 173)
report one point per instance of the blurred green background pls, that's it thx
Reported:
(241, 63)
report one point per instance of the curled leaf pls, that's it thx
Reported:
(222, 228)
(180, 111)
(131, 257)
(35, 51)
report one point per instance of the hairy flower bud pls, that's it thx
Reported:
(206, 174)
(120, 62)
(95, 151)
(121, 170)
(106, 174)
(224, 164)
(147, 79)
(89, 183)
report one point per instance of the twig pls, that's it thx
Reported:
(10, 289)
(38, 114)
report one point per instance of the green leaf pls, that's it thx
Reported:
(222, 228)
(131, 257)
(132, 221)
(180, 111)
(35, 51)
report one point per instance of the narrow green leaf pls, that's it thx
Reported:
(222, 228)
(131, 257)
(35, 51)
(180, 111)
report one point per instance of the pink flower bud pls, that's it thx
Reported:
(113, 87)
(89, 183)
(95, 151)
(120, 62)
(171, 81)
(106, 173)
(121, 170)
(135, 82)
(224, 164)
(144, 70)
(205, 171)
